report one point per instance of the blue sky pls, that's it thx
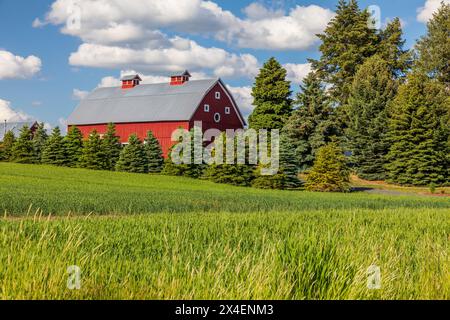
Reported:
(45, 88)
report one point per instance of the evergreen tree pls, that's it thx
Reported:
(271, 94)
(6, 145)
(287, 176)
(74, 146)
(391, 49)
(93, 155)
(233, 174)
(346, 43)
(434, 48)
(22, 150)
(54, 152)
(191, 170)
(313, 124)
(372, 91)
(419, 133)
(39, 141)
(133, 158)
(330, 172)
(112, 146)
(154, 153)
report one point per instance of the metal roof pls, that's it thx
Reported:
(15, 127)
(131, 77)
(143, 103)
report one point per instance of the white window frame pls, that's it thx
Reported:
(217, 95)
(217, 117)
(227, 110)
(206, 108)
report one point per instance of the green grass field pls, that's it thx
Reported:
(156, 237)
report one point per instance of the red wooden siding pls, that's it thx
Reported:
(228, 121)
(162, 131)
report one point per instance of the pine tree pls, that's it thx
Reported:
(232, 174)
(6, 145)
(434, 48)
(74, 146)
(192, 170)
(330, 172)
(22, 150)
(419, 133)
(372, 91)
(93, 155)
(39, 141)
(391, 49)
(133, 158)
(54, 152)
(271, 94)
(112, 146)
(313, 124)
(154, 153)
(346, 43)
(287, 176)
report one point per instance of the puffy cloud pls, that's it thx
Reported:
(297, 72)
(9, 114)
(78, 94)
(183, 54)
(244, 99)
(16, 67)
(425, 13)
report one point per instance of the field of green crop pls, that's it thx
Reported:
(155, 237)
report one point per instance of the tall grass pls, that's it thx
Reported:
(305, 255)
(61, 190)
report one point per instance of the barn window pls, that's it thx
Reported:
(206, 107)
(218, 95)
(227, 110)
(217, 117)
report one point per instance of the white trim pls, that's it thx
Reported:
(217, 117)
(235, 107)
(206, 108)
(218, 95)
(227, 110)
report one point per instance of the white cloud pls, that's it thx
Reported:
(425, 13)
(297, 72)
(78, 94)
(16, 67)
(9, 114)
(244, 99)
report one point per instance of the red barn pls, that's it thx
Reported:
(161, 108)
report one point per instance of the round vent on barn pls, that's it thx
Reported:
(217, 117)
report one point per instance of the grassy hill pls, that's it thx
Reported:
(156, 237)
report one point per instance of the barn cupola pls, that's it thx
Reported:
(131, 81)
(180, 79)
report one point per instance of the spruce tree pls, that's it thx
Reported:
(22, 150)
(391, 49)
(112, 146)
(39, 141)
(154, 153)
(271, 94)
(434, 49)
(133, 158)
(93, 155)
(372, 91)
(419, 133)
(330, 172)
(233, 174)
(74, 146)
(6, 145)
(312, 124)
(346, 43)
(54, 152)
(287, 176)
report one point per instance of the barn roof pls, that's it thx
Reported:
(144, 103)
(15, 127)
